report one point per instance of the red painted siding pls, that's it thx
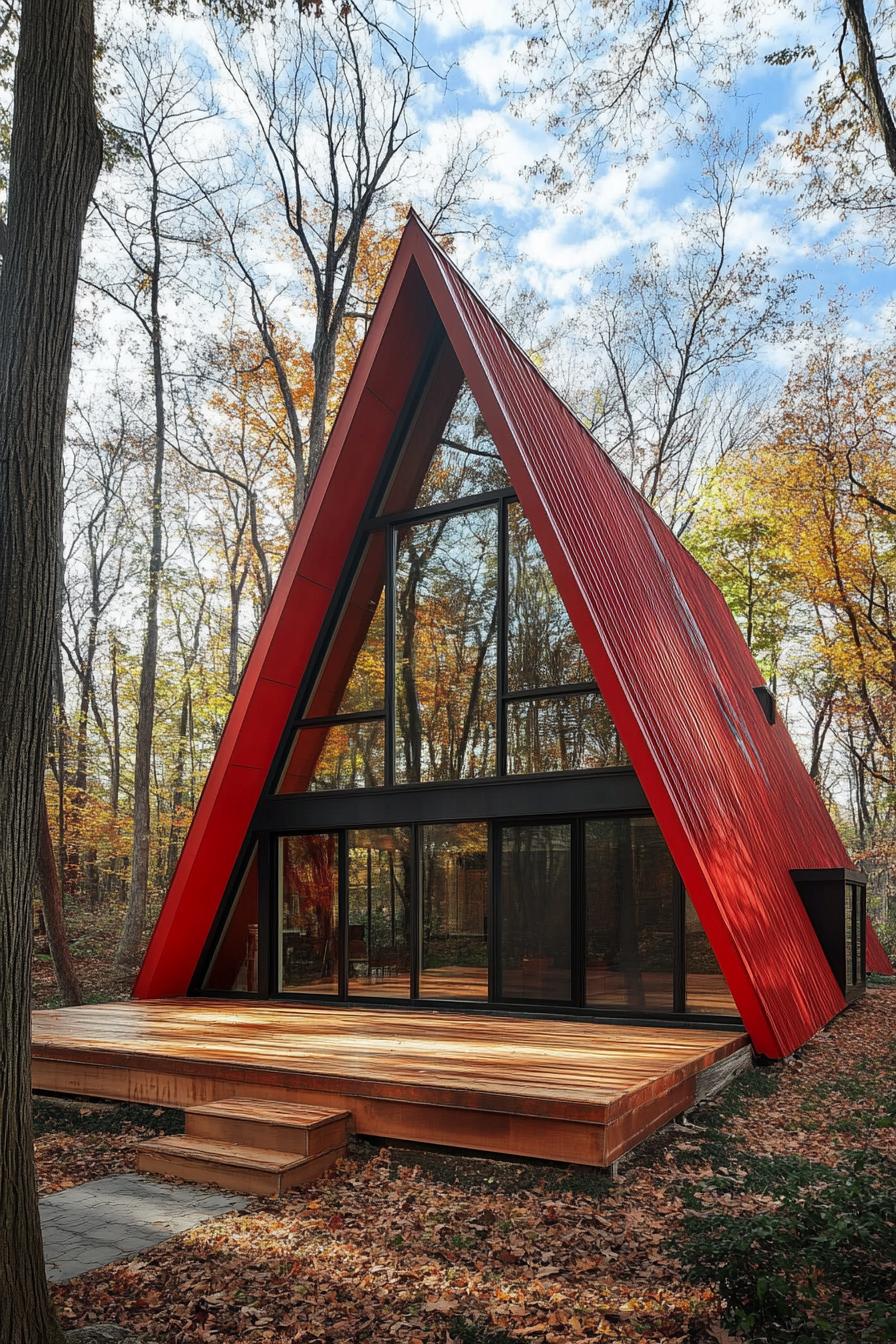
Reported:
(876, 959)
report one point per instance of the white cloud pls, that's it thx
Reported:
(469, 16)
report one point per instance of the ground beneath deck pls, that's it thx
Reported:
(567, 1090)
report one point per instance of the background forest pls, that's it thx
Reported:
(705, 276)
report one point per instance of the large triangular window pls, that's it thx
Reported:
(465, 460)
(453, 656)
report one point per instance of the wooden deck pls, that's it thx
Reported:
(569, 1091)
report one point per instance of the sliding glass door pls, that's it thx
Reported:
(454, 910)
(379, 896)
(535, 952)
(583, 913)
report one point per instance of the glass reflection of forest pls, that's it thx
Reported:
(379, 911)
(309, 913)
(446, 627)
(454, 901)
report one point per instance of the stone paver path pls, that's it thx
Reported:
(91, 1225)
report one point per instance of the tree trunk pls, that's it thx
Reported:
(54, 920)
(324, 363)
(128, 951)
(78, 800)
(875, 92)
(177, 790)
(55, 158)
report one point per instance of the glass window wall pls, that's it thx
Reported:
(454, 904)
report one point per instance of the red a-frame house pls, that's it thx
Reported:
(500, 748)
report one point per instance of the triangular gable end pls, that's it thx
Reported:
(734, 803)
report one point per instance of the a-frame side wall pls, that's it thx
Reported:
(397, 346)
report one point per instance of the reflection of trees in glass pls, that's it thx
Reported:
(309, 910)
(336, 756)
(235, 964)
(366, 686)
(543, 649)
(379, 904)
(535, 912)
(465, 460)
(454, 908)
(352, 678)
(446, 603)
(350, 758)
(705, 986)
(567, 732)
(631, 889)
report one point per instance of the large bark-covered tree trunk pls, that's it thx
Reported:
(55, 158)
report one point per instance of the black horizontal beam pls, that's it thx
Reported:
(604, 791)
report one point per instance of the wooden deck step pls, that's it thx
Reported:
(235, 1166)
(284, 1126)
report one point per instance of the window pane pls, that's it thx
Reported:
(235, 964)
(535, 898)
(543, 649)
(352, 680)
(309, 913)
(446, 609)
(336, 756)
(706, 988)
(379, 911)
(568, 732)
(465, 460)
(630, 894)
(454, 905)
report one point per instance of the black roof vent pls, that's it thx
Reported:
(766, 700)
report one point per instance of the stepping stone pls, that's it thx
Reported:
(91, 1225)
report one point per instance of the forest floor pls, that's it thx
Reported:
(92, 936)
(772, 1216)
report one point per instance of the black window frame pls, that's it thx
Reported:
(495, 1003)
(391, 525)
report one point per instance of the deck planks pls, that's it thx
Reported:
(403, 1074)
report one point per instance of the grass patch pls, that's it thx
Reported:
(463, 1331)
(816, 1262)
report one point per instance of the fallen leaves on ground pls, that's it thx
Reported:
(429, 1249)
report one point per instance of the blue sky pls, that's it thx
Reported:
(564, 251)
(561, 248)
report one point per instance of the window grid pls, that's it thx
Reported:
(390, 526)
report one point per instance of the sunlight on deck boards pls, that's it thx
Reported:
(505, 1084)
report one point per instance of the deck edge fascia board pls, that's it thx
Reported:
(299, 1081)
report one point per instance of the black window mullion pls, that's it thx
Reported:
(272, 843)
(553, 692)
(342, 909)
(494, 936)
(448, 506)
(679, 948)
(331, 720)
(266, 910)
(578, 957)
(501, 669)
(389, 679)
(416, 898)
